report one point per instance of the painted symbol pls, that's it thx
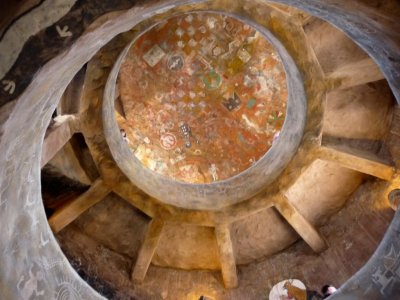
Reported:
(189, 19)
(211, 22)
(43, 242)
(179, 32)
(217, 51)
(143, 84)
(276, 117)
(232, 103)
(9, 86)
(213, 171)
(154, 55)
(180, 44)
(205, 63)
(175, 62)
(231, 28)
(68, 291)
(387, 277)
(63, 32)
(248, 81)
(187, 133)
(168, 141)
(185, 129)
(233, 45)
(244, 55)
(251, 103)
(212, 80)
(192, 43)
(191, 31)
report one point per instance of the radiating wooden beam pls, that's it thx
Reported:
(83, 158)
(73, 209)
(147, 250)
(361, 161)
(356, 73)
(226, 256)
(57, 136)
(302, 226)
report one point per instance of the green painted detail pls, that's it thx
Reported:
(251, 103)
(241, 138)
(276, 117)
(212, 80)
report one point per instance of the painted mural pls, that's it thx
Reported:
(204, 97)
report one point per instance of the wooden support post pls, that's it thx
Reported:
(57, 136)
(302, 226)
(72, 210)
(226, 256)
(363, 162)
(147, 250)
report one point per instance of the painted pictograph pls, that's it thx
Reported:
(204, 96)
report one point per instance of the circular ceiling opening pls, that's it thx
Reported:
(204, 97)
(213, 109)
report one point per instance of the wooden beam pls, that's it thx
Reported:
(356, 73)
(73, 209)
(57, 136)
(147, 250)
(83, 157)
(226, 256)
(302, 226)
(357, 160)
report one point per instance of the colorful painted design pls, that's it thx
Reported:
(204, 96)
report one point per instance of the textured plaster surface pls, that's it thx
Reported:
(35, 266)
(97, 73)
(229, 191)
(360, 112)
(204, 97)
(359, 225)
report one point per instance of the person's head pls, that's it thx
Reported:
(328, 290)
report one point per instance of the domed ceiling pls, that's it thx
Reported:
(204, 97)
(194, 139)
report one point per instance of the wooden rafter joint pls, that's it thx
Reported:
(147, 250)
(74, 208)
(361, 161)
(301, 225)
(57, 135)
(226, 255)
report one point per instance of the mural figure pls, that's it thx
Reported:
(205, 97)
(388, 277)
(29, 286)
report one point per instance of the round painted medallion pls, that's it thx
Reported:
(204, 97)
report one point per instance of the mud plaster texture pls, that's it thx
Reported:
(31, 257)
(359, 225)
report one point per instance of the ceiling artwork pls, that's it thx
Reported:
(204, 97)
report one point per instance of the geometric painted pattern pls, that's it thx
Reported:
(204, 97)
